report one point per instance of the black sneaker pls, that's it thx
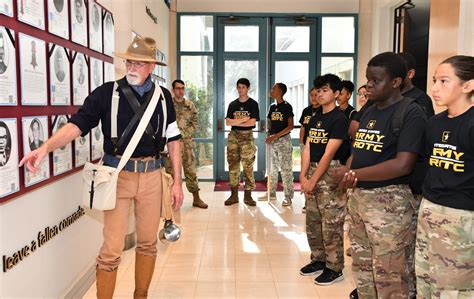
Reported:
(313, 268)
(328, 277)
(353, 294)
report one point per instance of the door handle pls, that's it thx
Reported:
(220, 127)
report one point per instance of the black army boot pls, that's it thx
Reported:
(197, 201)
(248, 200)
(233, 198)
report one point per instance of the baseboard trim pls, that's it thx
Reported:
(80, 288)
(130, 241)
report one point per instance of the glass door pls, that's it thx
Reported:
(243, 43)
(293, 62)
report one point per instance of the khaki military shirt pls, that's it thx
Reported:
(186, 117)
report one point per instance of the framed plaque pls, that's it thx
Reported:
(35, 133)
(80, 78)
(59, 78)
(33, 71)
(79, 22)
(9, 171)
(95, 26)
(31, 12)
(62, 157)
(58, 18)
(8, 82)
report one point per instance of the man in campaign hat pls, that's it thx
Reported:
(140, 180)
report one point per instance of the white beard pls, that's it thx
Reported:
(136, 80)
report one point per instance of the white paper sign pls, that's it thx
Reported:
(96, 73)
(6, 7)
(62, 157)
(97, 142)
(31, 12)
(60, 89)
(79, 22)
(58, 18)
(109, 35)
(82, 150)
(35, 133)
(80, 82)
(9, 171)
(95, 26)
(8, 85)
(33, 71)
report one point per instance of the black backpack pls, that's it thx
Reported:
(419, 172)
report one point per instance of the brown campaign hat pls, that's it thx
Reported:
(141, 49)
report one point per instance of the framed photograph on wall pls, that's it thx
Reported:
(62, 157)
(79, 22)
(109, 72)
(97, 71)
(80, 78)
(9, 171)
(95, 26)
(109, 34)
(8, 82)
(58, 18)
(31, 12)
(6, 7)
(35, 133)
(59, 78)
(97, 142)
(33, 71)
(82, 150)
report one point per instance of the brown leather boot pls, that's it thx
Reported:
(233, 198)
(105, 283)
(144, 267)
(248, 200)
(198, 202)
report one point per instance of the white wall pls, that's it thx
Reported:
(466, 28)
(269, 6)
(52, 268)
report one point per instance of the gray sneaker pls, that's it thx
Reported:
(286, 202)
(265, 197)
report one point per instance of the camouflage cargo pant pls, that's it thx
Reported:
(325, 214)
(189, 165)
(444, 252)
(380, 233)
(281, 160)
(411, 247)
(241, 150)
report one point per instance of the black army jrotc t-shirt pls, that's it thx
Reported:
(279, 115)
(450, 157)
(308, 112)
(325, 126)
(375, 142)
(349, 112)
(238, 109)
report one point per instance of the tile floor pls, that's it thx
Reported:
(234, 252)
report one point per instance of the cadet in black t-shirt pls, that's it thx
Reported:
(411, 91)
(242, 115)
(280, 117)
(306, 115)
(344, 97)
(327, 143)
(381, 205)
(444, 241)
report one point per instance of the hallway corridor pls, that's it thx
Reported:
(234, 252)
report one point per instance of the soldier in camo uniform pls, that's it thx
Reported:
(280, 116)
(327, 143)
(242, 115)
(444, 258)
(382, 205)
(186, 117)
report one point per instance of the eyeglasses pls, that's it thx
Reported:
(362, 95)
(135, 64)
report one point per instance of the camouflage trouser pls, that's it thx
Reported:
(380, 233)
(282, 160)
(189, 165)
(411, 248)
(444, 252)
(325, 214)
(241, 149)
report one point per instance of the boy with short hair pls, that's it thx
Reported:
(327, 144)
(344, 97)
(242, 115)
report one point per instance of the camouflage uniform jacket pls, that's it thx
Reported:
(186, 117)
